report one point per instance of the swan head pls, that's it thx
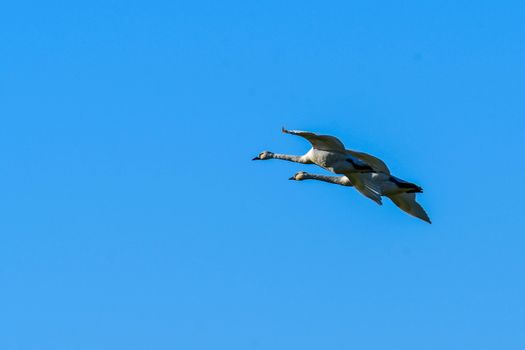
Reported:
(299, 176)
(264, 155)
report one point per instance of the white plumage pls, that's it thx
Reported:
(404, 196)
(367, 173)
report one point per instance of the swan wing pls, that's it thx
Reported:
(320, 142)
(377, 164)
(407, 203)
(366, 186)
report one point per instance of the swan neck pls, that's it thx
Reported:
(290, 158)
(330, 179)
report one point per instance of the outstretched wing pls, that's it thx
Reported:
(377, 164)
(320, 142)
(366, 186)
(407, 203)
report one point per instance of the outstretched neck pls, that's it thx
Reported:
(291, 158)
(338, 180)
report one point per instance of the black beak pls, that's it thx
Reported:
(256, 158)
(292, 178)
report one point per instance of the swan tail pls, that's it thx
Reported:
(407, 187)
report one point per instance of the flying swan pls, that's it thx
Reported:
(401, 192)
(330, 153)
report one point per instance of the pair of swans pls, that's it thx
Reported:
(368, 174)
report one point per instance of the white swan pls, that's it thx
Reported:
(402, 193)
(330, 153)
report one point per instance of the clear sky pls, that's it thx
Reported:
(133, 217)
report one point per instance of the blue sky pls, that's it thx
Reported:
(133, 217)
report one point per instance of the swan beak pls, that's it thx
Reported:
(256, 158)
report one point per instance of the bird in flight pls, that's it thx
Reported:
(366, 173)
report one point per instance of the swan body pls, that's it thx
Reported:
(400, 192)
(391, 185)
(329, 153)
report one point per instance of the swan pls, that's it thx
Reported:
(329, 153)
(401, 192)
